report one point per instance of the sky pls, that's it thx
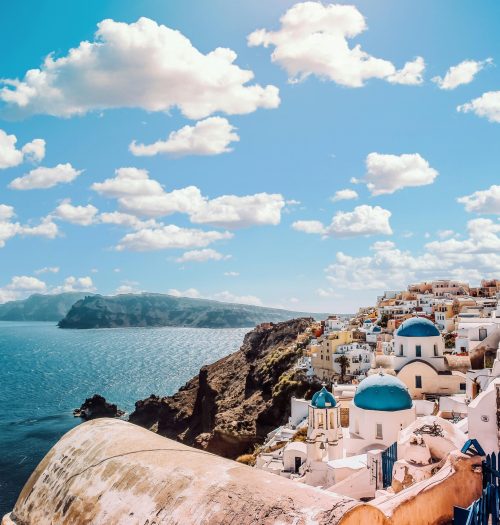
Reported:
(299, 155)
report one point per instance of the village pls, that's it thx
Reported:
(411, 386)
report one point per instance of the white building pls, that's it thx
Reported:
(381, 407)
(419, 360)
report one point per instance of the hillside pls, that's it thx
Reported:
(165, 310)
(40, 307)
(232, 404)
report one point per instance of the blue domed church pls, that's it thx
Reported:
(381, 407)
(418, 360)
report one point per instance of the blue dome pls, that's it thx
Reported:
(323, 399)
(417, 327)
(382, 392)
(377, 329)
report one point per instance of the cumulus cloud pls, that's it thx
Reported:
(309, 227)
(390, 173)
(137, 194)
(193, 293)
(10, 156)
(127, 220)
(9, 228)
(225, 296)
(344, 195)
(159, 66)
(487, 105)
(483, 201)
(75, 284)
(211, 136)
(462, 73)
(314, 40)
(363, 220)
(207, 254)
(47, 269)
(389, 267)
(228, 297)
(169, 236)
(20, 286)
(81, 215)
(43, 178)
(411, 74)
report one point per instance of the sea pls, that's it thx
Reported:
(46, 372)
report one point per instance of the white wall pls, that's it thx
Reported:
(483, 419)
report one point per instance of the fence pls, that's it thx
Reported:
(389, 457)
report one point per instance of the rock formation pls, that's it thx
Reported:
(97, 406)
(149, 309)
(233, 403)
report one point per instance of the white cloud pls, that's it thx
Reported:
(82, 215)
(228, 297)
(43, 178)
(390, 173)
(20, 286)
(192, 293)
(487, 105)
(139, 195)
(232, 274)
(127, 220)
(344, 195)
(207, 254)
(309, 227)
(127, 287)
(75, 284)
(313, 40)
(159, 67)
(483, 239)
(483, 201)
(389, 267)
(8, 229)
(445, 234)
(462, 73)
(211, 136)
(10, 156)
(169, 236)
(47, 269)
(363, 220)
(411, 74)
(232, 211)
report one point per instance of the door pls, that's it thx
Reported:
(298, 463)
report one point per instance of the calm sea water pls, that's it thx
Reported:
(46, 372)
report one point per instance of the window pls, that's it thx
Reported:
(418, 381)
(482, 334)
(379, 431)
(400, 349)
(435, 350)
(418, 351)
(462, 386)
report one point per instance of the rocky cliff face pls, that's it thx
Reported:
(233, 403)
(148, 309)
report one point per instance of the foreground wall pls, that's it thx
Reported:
(112, 472)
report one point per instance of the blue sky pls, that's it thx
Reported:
(340, 115)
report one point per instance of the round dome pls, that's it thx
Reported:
(382, 392)
(377, 329)
(417, 327)
(323, 399)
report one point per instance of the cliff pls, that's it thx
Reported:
(149, 309)
(40, 307)
(233, 403)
